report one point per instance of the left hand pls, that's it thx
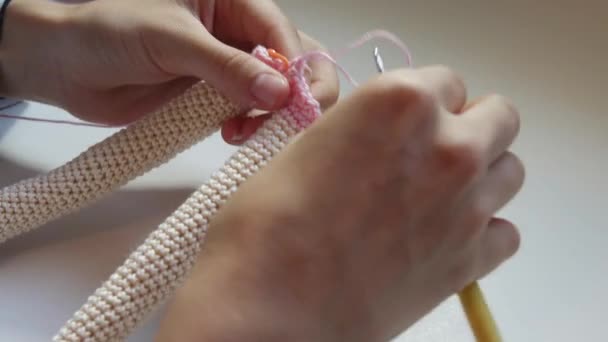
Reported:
(111, 61)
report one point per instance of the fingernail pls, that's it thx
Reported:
(256, 112)
(237, 139)
(269, 89)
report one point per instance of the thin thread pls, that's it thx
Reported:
(378, 34)
(368, 36)
(10, 105)
(65, 122)
(323, 55)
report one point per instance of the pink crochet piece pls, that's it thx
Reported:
(153, 271)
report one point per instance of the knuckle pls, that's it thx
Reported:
(509, 111)
(474, 222)
(283, 21)
(404, 96)
(460, 158)
(406, 92)
(520, 171)
(328, 94)
(506, 244)
(516, 171)
(458, 86)
(311, 43)
(448, 86)
(334, 93)
(504, 102)
(330, 97)
(479, 215)
(233, 62)
(514, 242)
(460, 274)
(450, 75)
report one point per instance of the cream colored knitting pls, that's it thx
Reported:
(112, 163)
(155, 269)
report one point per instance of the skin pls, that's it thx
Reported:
(124, 62)
(407, 212)
(405, 219)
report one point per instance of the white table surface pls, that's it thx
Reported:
(549, 56)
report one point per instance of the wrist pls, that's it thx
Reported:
(30, 27)
(235, 295)
(251, 283)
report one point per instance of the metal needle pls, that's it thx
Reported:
(378, 60)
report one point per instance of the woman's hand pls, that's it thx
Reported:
(372, 217)
(113, 61)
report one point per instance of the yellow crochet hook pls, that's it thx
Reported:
(478, 314)
(471, 298)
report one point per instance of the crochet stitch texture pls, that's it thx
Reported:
(153, 271)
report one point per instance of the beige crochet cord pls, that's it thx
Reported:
(155, 269)
(112, 163)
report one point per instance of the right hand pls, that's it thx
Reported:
(372, 217)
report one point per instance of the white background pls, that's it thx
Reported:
(548, 56)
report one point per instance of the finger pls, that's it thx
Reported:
(492, 124)
(325, 85)
(324, 88)
(237, 130)
(208, 14)
(260, 22)
(499, 242)
(504, 179)
(472, 104)
(443, 83)
(235, 73)
(140, 100)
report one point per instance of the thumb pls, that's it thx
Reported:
(238, 75)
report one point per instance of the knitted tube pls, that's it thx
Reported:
(113, 162)
(153, 271)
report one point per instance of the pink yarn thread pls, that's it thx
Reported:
(379, 34)
(368, 36)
